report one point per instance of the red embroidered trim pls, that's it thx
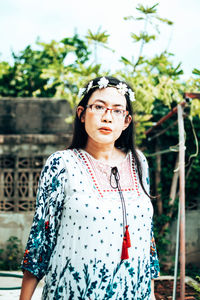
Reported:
(90, 168)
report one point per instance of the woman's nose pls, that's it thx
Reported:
(107, 116)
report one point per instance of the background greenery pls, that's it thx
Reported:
(158, 84)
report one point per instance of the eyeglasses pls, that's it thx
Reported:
(102, 109)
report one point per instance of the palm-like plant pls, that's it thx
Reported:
(100, 38)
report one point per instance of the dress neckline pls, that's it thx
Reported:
(103, 163)
(94, 168)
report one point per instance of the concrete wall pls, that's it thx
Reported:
(33, 144)
(192, 237)
(15, 224)
(30, 127)
(34, 116)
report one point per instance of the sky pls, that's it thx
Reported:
(23, 21)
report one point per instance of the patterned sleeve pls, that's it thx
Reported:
(154, 262)
(49, 203)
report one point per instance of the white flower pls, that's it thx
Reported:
(89, 86)
(81, 92)
(103, 83)
(131, 95)
(122, 88)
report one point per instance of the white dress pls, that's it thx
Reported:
(77, 232)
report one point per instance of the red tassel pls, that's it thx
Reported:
(126, 244)
(127, 235)
(124, 254)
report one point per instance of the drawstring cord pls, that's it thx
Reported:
(126, 236)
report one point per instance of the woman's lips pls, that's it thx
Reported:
(105, 130)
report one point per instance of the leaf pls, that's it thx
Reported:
(195, 108)
(100, 37)
(167, 21)
(129, 18)
(196, 71)
(126, 61)
(147, 10)
(143, 36)
(136, 37)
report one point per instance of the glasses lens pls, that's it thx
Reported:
(97, 108)
(101, 109)
(118, 112)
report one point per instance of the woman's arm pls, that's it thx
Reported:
(47, 219)
(152, 290)
(29, 284)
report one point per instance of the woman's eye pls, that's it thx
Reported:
(117, 111)
(99, 107)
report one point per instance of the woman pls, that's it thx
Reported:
(92, 233)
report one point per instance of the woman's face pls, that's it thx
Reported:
(105, 127)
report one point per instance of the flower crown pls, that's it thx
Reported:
(104, 83)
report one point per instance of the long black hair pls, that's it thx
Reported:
(125, 142)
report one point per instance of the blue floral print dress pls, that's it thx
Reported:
(77, 232)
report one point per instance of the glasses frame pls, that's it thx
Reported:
(125, 112)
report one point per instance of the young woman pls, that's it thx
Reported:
(92, 234)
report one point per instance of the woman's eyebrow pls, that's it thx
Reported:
(105, 103)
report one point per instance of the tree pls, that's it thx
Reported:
(98, 38)
(43, 72)
(148, 15)
(159, 87)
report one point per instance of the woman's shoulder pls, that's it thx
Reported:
(61, 153)
(60, 157)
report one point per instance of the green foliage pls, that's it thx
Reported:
(197, 286)
(158, 88)
(149, 17)
(43, 73)
(143, 37)
(80, 48)
(164, 20)
(55, 69)
(100, 37)
(4, 68)
(196, 72)
(126, 62)
(161, 65)
(193, 85)
(147, 10)
(166, 140)
(10, 258)
(192, 271)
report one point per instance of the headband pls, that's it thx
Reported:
(104, 83)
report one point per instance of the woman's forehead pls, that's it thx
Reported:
(109, 95)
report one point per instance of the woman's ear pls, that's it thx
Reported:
(127, 121)
(79, 110)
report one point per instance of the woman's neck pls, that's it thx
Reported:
(106, 153)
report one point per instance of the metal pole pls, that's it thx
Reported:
(182, 200)
(176, 256)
